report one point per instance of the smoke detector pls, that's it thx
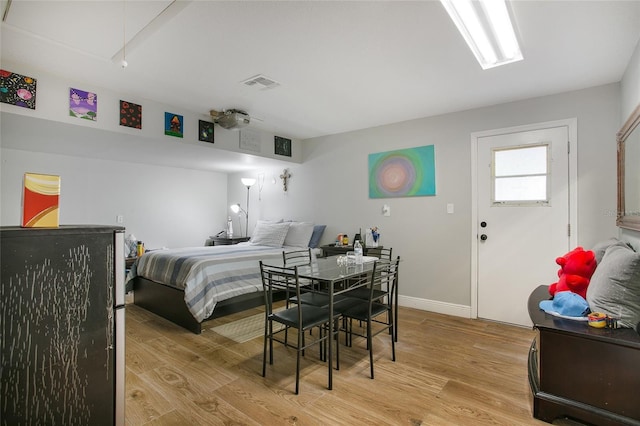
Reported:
(230, 119)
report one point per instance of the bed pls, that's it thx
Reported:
(190, 285)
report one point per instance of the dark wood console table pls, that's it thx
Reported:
(580, 372)
(333, 250)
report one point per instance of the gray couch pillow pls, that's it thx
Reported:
(615, 285)
(602, 246)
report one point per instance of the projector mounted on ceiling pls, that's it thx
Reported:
(231, 118)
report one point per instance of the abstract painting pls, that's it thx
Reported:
(173, 124)
(205, 131)
(40, 201)
(403, 173)
(130, 115)
(18, 90)
(83, 104)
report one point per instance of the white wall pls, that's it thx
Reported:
(331, 187)
(162, 206)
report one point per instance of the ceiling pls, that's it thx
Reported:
(340, 65)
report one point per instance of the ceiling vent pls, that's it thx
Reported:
(261, 82)
(231, 118)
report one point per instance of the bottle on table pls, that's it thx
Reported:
(229, 228)
(140, 248)
(357, 248)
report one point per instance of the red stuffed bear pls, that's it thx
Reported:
(576, 269)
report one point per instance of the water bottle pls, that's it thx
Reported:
(229, 228)
(357, 248)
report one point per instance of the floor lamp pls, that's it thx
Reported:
(248, 182)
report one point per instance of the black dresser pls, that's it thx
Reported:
(580, 372)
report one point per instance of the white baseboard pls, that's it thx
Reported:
(435, 306)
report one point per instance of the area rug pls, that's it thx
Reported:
(245, 329)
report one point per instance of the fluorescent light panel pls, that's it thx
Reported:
(486, 27)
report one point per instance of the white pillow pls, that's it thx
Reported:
(299, 234)
(269, 233)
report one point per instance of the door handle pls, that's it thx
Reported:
(483, 237)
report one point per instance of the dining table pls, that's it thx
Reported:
(337, 276)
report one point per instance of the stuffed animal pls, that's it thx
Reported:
(576, 269)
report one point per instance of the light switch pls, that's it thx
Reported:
(386, 210)
(450, 208)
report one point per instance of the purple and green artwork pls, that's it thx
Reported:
(83, 104)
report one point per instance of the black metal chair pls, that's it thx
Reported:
(380, 252)
(374, 310)
(311, 294)
(300, 317)
(363, 293)
(297, 257)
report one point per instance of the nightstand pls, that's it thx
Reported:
(224, 241)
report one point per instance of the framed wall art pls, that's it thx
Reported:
(17, 89)
(173, 124)
(83, 104)
(282, 146)
(130, 115)
(40, 201)
(402, 173)
(205, 131)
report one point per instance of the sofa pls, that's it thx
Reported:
(589, 374)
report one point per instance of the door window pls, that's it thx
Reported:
(520, 175)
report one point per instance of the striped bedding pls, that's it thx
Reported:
(207, 275)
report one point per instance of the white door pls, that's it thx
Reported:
(522, 217)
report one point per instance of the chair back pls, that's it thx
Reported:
(384, 277)
(279, 278)
(382, 253)
(297, 257)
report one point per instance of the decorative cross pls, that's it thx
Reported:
(285, 178)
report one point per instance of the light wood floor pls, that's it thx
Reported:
(449, 371)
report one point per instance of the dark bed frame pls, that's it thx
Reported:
(168, 302)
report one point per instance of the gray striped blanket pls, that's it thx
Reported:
(207, 275)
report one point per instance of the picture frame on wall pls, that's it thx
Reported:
(282, 146)
(83, 104)
(17, 89)
(205, 131)
(130, 115)
(173, 124)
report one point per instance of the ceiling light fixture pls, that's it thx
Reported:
(487, 28)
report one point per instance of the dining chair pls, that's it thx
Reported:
(363, 293)
(311, 294)
(296, 257)
(375, 310)
(380, 252)
(300, 317)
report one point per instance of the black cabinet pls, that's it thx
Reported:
(581, 372)
(62, 326)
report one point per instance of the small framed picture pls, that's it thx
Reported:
(173, 124)
(205, 131)
(282, 146)
(130, 114)
(17, 89)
